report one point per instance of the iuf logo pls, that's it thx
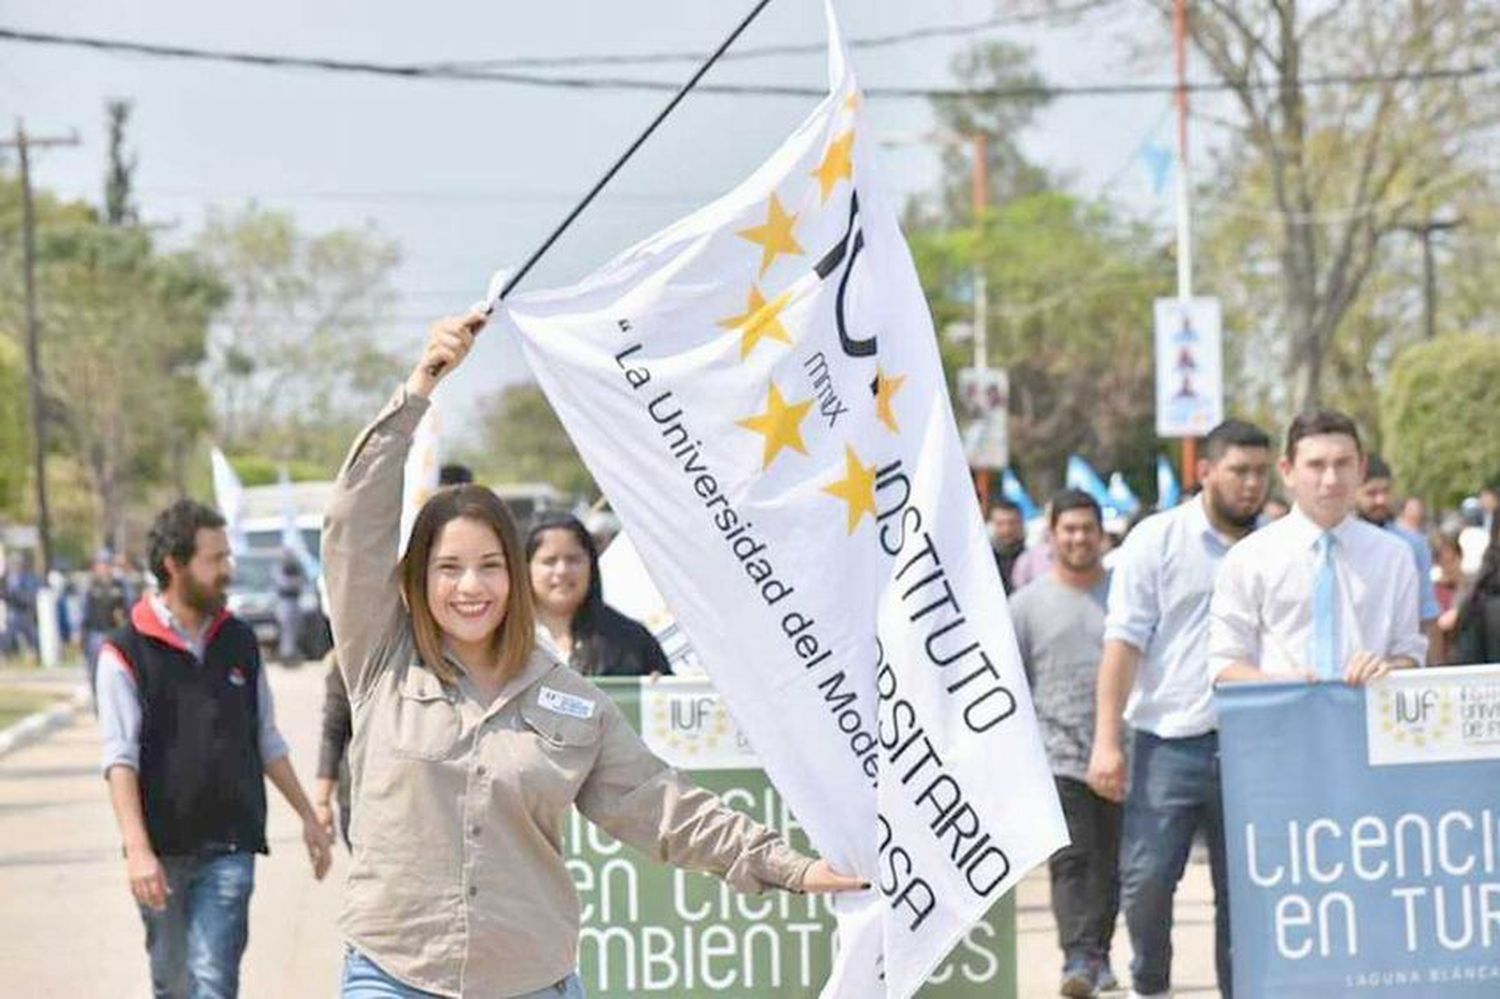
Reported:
(1418, 714)
(238, 676)
(692, 723)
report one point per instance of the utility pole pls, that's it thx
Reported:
(979, 149)
(1425, 232)
(23, 144)
(1184, 210)
(981, 144)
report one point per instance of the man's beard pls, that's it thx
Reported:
(203, 599)
(1079, 565)
(1373, 518)
(1222, 512)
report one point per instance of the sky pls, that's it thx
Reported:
(468, 177)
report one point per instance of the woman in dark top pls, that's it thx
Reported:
(1479, 622)
(592, 637)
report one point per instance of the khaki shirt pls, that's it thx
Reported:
(458, 884)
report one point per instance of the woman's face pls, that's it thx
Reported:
(468, 584)
(559, 572)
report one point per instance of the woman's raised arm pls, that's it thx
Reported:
(361, 531)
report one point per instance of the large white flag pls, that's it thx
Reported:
(758, 391)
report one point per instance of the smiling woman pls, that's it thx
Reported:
(472, 743)
(458, 576)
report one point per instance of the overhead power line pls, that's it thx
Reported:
(766, 51)
(476, 75)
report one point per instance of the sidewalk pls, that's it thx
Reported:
(68, 928)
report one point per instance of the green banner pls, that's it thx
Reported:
(653, 930)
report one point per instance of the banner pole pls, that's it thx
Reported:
(640, 140)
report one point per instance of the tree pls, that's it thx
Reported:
(119, 181)
(123, 329)
(1071, 321)
(525, 442)
(1427, 411)
(127, 329)
(297, 363)
(999, 120)
(1339, 171)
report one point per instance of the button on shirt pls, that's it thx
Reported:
(1263, 600)
(1158, 602)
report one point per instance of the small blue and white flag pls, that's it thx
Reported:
(1168, 492)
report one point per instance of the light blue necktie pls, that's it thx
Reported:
(1325, 642)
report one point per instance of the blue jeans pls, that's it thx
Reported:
(1174, 793)
(195, 944)
(363, 979)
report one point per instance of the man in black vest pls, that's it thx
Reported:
(189, 736)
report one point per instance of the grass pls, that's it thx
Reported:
(17, 704)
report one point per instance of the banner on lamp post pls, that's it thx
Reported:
(1189, 366)
(984, 401)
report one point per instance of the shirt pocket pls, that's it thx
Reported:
(560, 732)
(558, 752)
(426, 723)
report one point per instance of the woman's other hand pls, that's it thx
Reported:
(822, 878)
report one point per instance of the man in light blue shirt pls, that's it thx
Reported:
(1375, 506)
(1152, 677)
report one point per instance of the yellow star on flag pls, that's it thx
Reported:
(837, 165)
(780, 425)
(856, 488)
(775, 237)
(886, 387)
(761, 320)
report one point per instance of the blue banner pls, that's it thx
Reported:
(1363, 834)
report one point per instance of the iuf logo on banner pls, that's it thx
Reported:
(759, 393)
(685, 723)
(1425, 717)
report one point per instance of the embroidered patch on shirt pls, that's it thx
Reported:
(237, 676)
(565, 704)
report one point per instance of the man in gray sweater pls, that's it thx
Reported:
(1059, 622)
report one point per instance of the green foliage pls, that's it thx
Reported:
(126, 329)
(1070, 290)
(259, 470)
(1428, 415)
(525, 442)
(1320, 189)
(15, 438)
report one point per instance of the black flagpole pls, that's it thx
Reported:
(625, 157)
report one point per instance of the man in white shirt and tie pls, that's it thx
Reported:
(1319, 594)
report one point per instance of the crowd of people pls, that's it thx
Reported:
(88, 604)
(1333, 581)
(459, 731)
(459, 727)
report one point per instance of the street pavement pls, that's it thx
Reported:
(69, 929)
